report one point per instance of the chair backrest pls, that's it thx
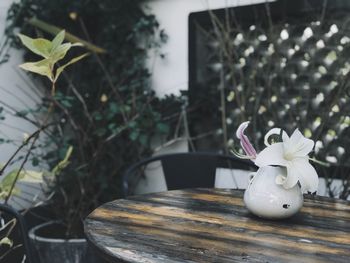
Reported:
(9, 213)
(188, 170)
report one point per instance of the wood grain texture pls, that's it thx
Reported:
(212, 225)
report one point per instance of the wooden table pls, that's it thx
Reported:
(212, 225)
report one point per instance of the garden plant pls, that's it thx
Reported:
(104, 107)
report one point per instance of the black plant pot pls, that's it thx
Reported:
(58, 250)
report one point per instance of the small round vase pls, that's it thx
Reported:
(264, 198)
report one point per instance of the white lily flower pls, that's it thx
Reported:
(291, 153)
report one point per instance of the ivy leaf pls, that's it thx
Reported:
(113, 108)
(39, 46)
(143, 139)
(134, 135)
(72, 61)
(97, 116)
(41, 67)
(162, 127)
(112, 127)
(100, 132)
(22, 113)
(132, 124)
(35, 161)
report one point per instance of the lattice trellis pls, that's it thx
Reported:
(288, 72)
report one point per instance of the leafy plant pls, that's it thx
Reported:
(10, 179)
(106, 108)
(52, 52)
(9, 188)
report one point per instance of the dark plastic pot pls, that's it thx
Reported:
(56, 250)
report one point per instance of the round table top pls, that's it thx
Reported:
(212, 225)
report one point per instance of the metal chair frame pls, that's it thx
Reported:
(196, 168)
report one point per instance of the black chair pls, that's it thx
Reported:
(188, 170)
(8, 213)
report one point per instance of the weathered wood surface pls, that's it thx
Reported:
(212, 225)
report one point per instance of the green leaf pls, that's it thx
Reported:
(35, 161)
(112, 127)
(22, 113)
(60, 52)
(66, 103)
(41, 67)
(63, 164)
(72, 61)
(113, 107)
(143, 139)
(100, 132)
(10, 177)
(57, 41)
(43, 46)
(7, 182)
(32, 176)
(39, 46)
(97, 116)
(126, 108)
(134, 135)
(162, 127)
(132, 124)
(6, 241)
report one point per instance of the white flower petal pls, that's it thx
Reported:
(271, 155)
(297, 145)
(296, 137)
(292, 177)
(308, 178)
(306, 146)
(274, 131)
(301, 170)
(280, 179)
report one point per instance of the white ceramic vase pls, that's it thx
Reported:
(264, 198)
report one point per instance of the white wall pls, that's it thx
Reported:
(15, 91)
(171, 74)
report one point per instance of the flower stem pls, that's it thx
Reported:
(319, 162)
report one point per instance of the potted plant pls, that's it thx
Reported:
(52, 52)
(11, 244)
